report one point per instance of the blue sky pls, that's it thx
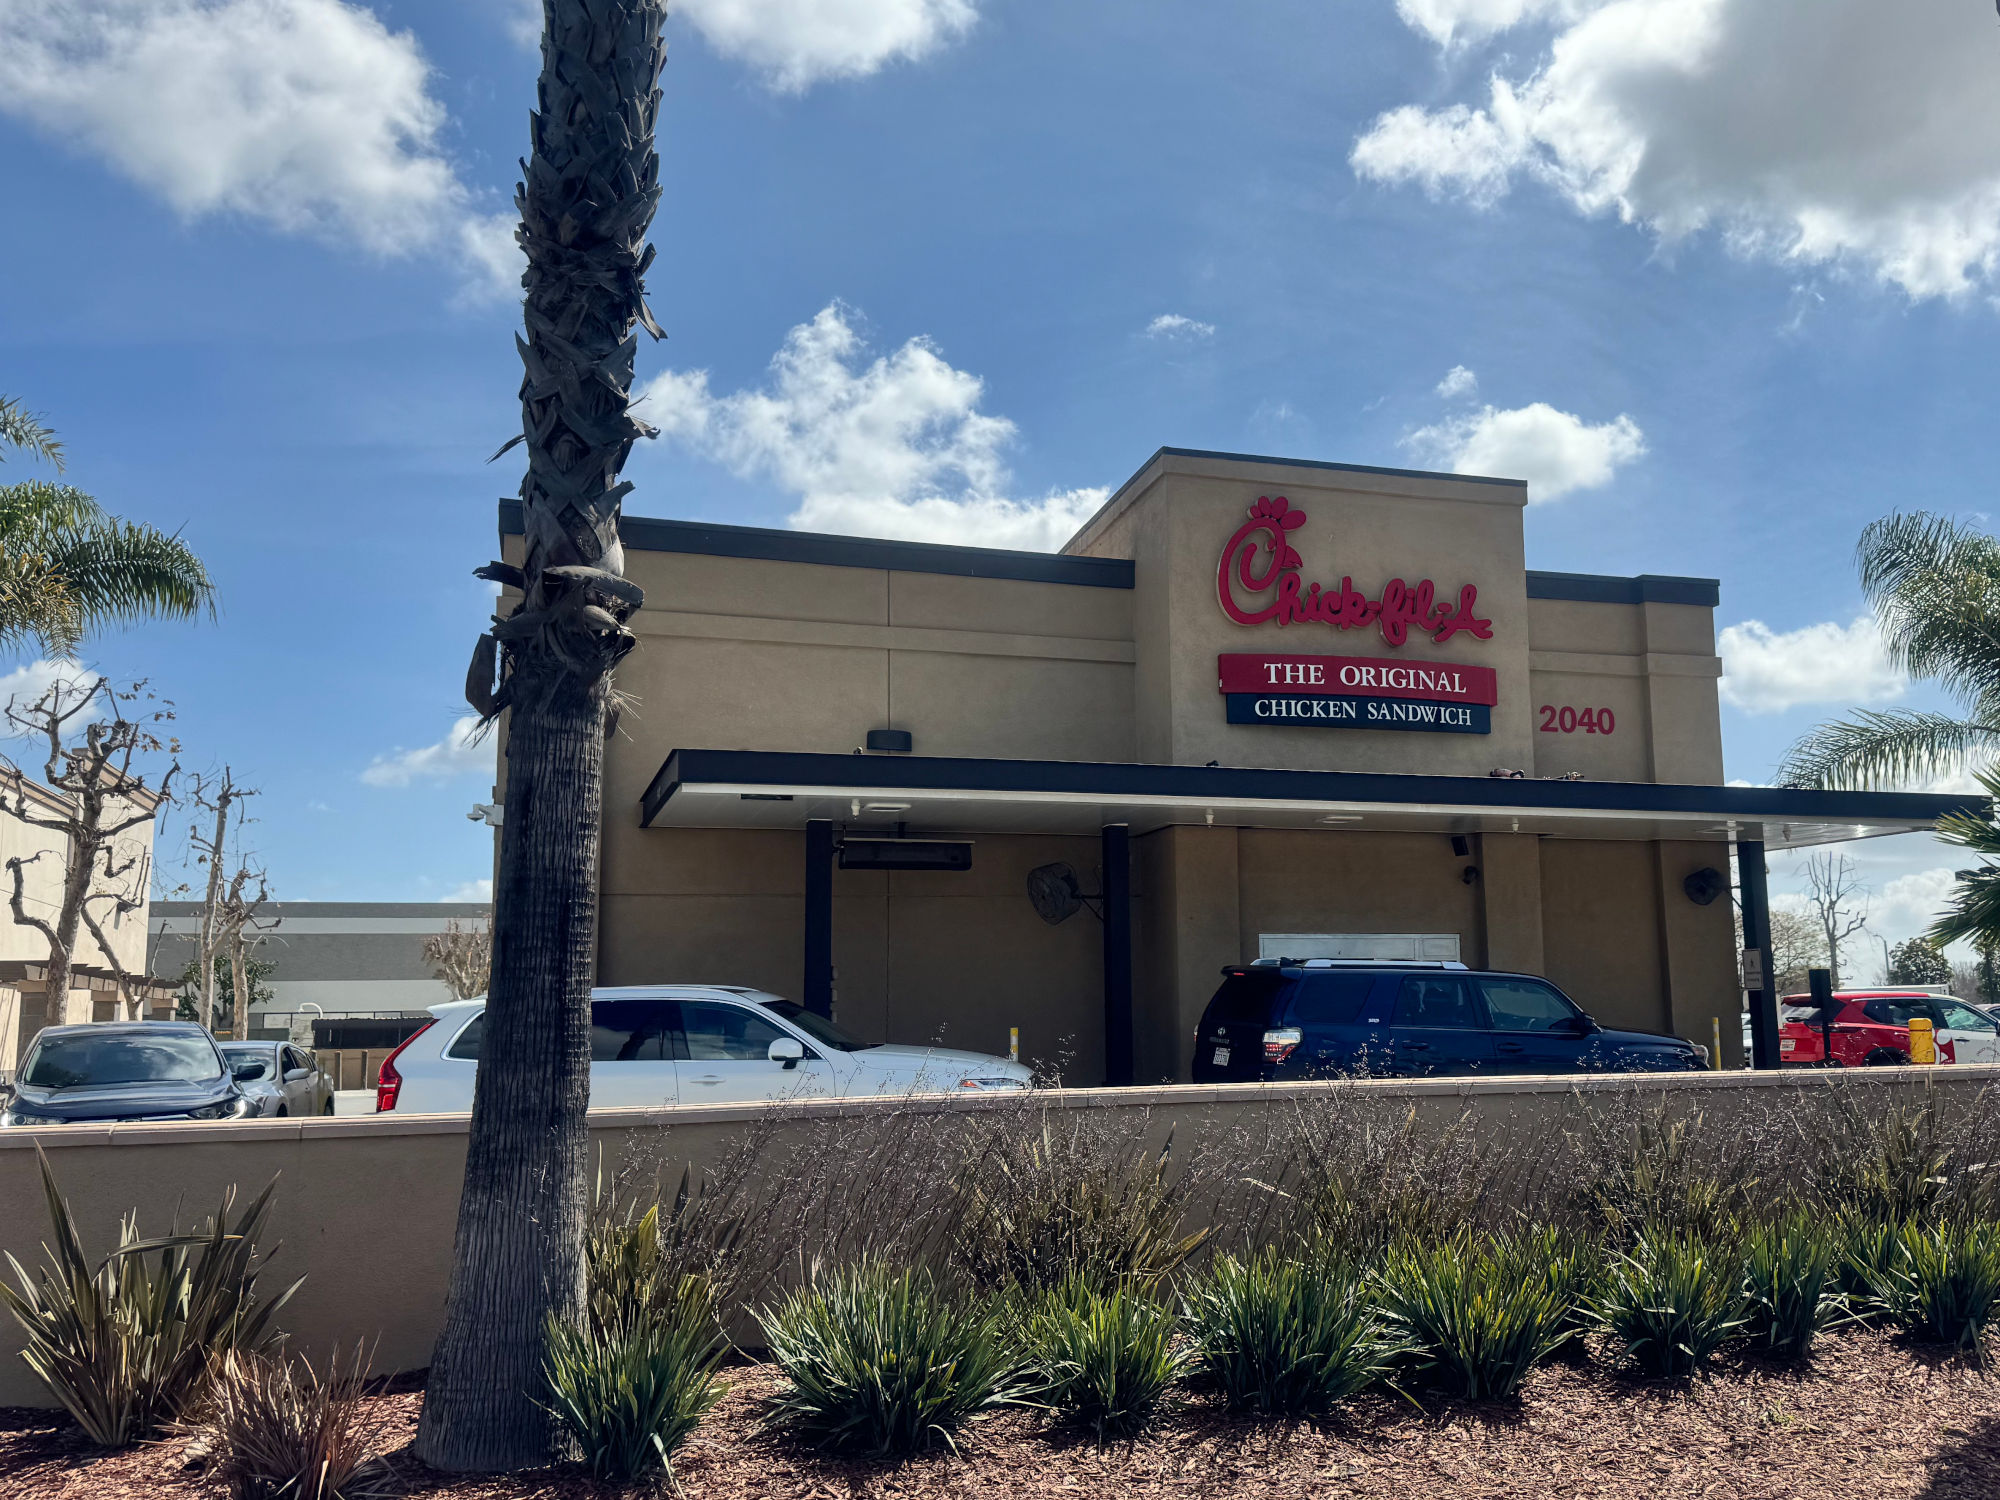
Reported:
(1720, 274)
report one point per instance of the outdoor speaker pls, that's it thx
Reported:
(892, 741)
(1704, 886)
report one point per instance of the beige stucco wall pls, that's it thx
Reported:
(1653, 665)
(1174, 519)
(365, 1207)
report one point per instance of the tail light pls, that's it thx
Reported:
(389, 1083)
(1280, 1044)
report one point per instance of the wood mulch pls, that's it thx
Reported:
(1871, 1416)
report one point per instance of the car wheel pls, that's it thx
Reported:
(282, 1111)
(1885, 1057)
(329, 1108)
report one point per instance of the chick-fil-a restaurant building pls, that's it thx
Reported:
(1254, 707)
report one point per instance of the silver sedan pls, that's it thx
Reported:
(282, 1079)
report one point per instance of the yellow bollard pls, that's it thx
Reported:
(1715, 1051)
(1014, 1043)
(1923, 1040)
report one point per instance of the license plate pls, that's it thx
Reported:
(1222, 1057)
(1788, 1045)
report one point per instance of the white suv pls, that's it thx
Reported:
(654, 1045)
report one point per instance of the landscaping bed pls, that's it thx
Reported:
(1872, 1414)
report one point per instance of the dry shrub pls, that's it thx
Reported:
(281, 1430)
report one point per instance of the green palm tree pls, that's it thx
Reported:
(1974, 912)
(67, 569)
(587, 194)
(1935, 588)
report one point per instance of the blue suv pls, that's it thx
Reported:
(1286, 1019)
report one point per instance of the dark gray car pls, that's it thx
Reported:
(284, 1079)
(114, 1071)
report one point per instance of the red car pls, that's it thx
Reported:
(1871, 1028)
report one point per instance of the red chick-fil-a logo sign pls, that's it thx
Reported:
(1258, 580)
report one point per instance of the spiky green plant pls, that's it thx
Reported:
(1474, 1314)
(1104, 1360)
(280, 1430)
(1898, 1172)
(1673, 1301)
(1791, 1288)
(1943, 1282)
(1058, 1204)
(1870, 1256)
(1282, 1336)
(1661, 1185)
(125, 1345)
(883, 1361)
(632, 1383)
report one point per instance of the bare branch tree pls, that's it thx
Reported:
(1838, 902)
(232, 899)
(461, 956)
(93, 737)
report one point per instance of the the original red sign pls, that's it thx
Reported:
(1357, 676)
(1274, 591)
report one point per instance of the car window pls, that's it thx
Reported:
(1320, 999)
(1897, 1011)
(1961, 1017)
(819, 1028)
(466, 1048)
(1254, 998)
(79, 1061)
(726, 1033)
(1524, 1005)
(631, 1031)
(1435, 1002)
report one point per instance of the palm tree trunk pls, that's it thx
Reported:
(590, 188)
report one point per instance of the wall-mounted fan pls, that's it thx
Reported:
(1056, 895)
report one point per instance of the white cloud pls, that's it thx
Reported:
(22, 688)
(1174, 326)
(1458, 381)
(1554, 451)
(1909, 904)
(470, 890)
(1843, 132)
(895, 446)
(1766, 671)
(459, 753)
(797, 43)
(310, 116)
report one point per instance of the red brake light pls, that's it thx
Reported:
(389, 1083)
(1281, 1043)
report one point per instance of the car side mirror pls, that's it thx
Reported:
(1582, 1026)
(297, 1073)
(787, 1050)
(247, 1072)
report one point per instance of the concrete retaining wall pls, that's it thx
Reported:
(365, 1206)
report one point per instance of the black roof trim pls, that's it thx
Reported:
(1604, 588)
(769, 544)
(1113, 780)
(1320, 463)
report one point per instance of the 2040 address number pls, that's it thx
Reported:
(1577, 720)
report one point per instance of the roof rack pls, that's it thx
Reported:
(1357, 963)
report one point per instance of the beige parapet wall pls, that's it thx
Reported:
(365, 1206)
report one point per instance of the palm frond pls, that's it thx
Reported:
(1877, 749)
(1935, 588)
(120, 571)
(1974, 912)
(21, 429)
(36, 509)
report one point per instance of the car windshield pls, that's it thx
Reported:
(64, 1062)
(818, 1027)
(248, 1062)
